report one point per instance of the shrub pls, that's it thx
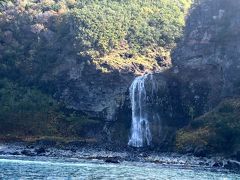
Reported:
(218, 129)
(102, 25)
(28, 112)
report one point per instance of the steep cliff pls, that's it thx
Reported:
(211, 39)
(83, 55)
(194, 93)
(75, 63)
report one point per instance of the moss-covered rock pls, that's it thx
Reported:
(217, 131)
(26, 112)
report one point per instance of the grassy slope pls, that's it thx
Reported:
(27, 113)
(217, 131)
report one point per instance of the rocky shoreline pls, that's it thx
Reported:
(111, 154)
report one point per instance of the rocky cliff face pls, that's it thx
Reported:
(211, 39)
(175, 97)
(38, 49)
(205, 70)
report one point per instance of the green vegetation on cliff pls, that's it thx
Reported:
(102, 26)
(37, 32)
(37, 36)
(217, 131)
(27, 112)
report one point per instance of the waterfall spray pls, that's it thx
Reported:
(140, 131)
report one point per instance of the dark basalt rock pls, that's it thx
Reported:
(27, 153)
(74, 150)
(217, 164)
(2, 152)
(114, 160)
(40, 150)
(232, 165)
(16, 153)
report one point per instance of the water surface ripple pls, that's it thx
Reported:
(67, 168)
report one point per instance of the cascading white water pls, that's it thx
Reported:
(140, 131)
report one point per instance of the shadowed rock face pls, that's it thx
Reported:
(206, 69)
(206, 63)
(85, 88)
(212, 38)
(177, 97)
(100, 95)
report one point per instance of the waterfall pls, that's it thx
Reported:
(140, 131)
